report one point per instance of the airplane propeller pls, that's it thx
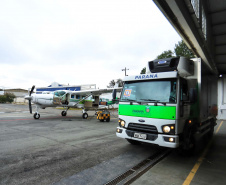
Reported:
(30, 107)
(32, 89)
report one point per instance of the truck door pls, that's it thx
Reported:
(184, 106)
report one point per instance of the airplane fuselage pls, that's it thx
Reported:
(86, 99)
(43, 100)
(48, 100)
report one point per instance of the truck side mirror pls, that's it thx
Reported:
(192, 95)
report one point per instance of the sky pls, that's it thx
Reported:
(79, 41)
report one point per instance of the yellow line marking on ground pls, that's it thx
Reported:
(198, 163)
(219, 127)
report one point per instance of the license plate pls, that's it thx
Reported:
(140, 136)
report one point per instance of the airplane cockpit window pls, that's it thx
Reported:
(59, 93)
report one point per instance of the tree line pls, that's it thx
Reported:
(180, 49)
(7, 98)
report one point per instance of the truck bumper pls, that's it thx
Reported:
(170, 141)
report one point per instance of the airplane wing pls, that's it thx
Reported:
(95, 92)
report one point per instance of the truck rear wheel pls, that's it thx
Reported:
(210, 134)
(133, 142)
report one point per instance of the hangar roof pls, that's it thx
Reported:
(202, 25)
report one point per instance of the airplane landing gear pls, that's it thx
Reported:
(36, 115)
(85, 116)
(64, 113)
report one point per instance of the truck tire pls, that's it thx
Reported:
(210, 134)
(188, 146)
(133, 142)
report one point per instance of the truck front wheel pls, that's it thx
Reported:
(189, 143)
(133, 142)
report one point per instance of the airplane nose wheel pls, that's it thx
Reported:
(36, 116)
(63, 113)
(85, 116)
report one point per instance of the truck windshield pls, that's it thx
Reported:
(150, 91)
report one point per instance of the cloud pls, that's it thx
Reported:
(79, 42)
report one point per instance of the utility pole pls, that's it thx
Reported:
(125, 70)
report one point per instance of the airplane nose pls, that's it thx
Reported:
(28, 97)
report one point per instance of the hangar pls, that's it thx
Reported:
(18, 92)
(57, 86)
(202, 26)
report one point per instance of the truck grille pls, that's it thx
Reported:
(142, 128)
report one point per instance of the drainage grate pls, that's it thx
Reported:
(146, 161)
(148, 167)
(143, 166)
(138, 166)
(120, 178)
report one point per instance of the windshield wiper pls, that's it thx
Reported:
(128, 100)
(150, 100)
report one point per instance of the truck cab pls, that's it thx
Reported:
(163, 106)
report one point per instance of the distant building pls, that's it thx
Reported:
(19, 93)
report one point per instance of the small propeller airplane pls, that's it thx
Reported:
(86, 99)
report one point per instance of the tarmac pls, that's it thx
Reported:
(104, 159)
(206, 166)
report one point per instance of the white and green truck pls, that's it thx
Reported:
(172, 105)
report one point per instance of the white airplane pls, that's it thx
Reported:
(86, 99)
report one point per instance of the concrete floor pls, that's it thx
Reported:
(70, 150)
(207, 168)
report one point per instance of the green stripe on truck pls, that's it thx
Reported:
(147, 111)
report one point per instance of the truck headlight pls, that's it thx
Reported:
(169, 129)
(166, 129)
(122, 123)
